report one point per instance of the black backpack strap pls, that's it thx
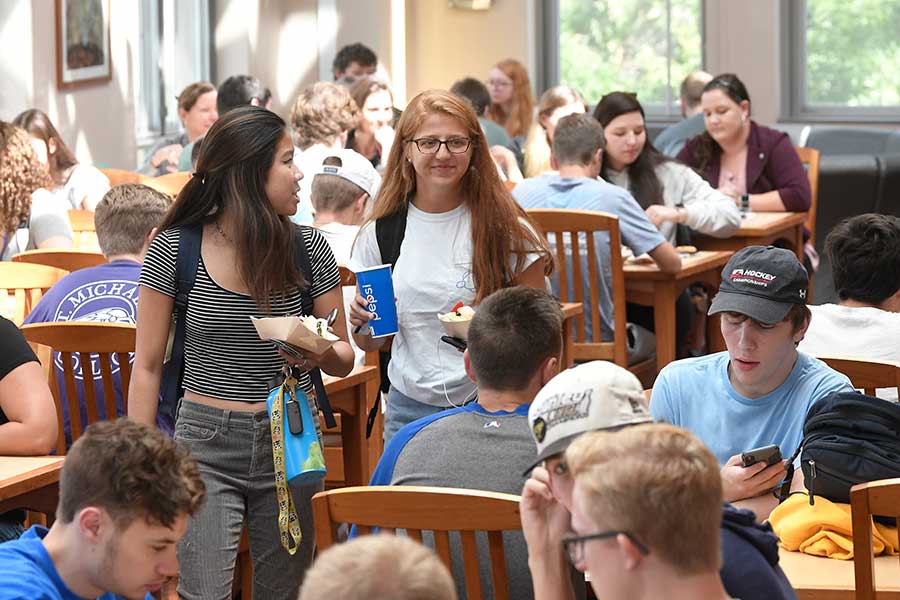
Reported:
(389, 233)
(185, 272)
(785, 490)
(301, 260)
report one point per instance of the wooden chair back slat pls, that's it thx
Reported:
(67, 259)
(364, 529)
(866, 374)
(348, 277)
(85, 339)
(880, 498)
(170, 183)
(559, 245)
(120, 176)
(442, 548)
(498, 562)
(580, 227)
(27, 283)
(106, 378)
(471, 565)
(439, 510)
(415, 534)
(87, 382)
(809, 157)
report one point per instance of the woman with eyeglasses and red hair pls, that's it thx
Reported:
(512, 101)
(463, 237)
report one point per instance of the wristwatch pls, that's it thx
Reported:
(745, 202)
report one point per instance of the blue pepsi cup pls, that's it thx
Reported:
(377, 287)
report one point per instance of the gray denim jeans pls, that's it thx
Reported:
(234, 451)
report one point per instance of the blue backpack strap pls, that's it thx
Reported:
(185, 273)
(301, 260)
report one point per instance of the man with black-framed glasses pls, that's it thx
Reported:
(645, 514)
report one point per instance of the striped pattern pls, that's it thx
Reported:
(224, 357)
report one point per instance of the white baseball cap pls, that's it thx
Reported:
(355, 168)
(592, 396)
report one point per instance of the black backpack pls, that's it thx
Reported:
(848, 438)
(185, 273)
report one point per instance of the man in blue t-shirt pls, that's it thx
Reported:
(125, 219)
(514, 344)
(578, 144)
(126, 493)
(759, 391)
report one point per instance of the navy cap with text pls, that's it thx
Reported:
(762, 282)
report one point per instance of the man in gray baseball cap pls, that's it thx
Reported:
(599, 396)
(758, 392)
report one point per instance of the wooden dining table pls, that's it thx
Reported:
(819, 578)
(30, 482)
(646, 285)
(760, 229)
(351, 397)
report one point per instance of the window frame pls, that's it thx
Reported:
(549, 63)
(174, 51)
(793, 38)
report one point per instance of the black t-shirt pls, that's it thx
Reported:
(14, 352)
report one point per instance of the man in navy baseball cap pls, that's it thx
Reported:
(758, 392)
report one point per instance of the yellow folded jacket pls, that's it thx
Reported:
(824, 529)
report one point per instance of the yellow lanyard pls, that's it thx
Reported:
(288, 523)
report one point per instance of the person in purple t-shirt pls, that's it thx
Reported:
(125, 220)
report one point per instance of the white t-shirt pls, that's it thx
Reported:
(85, 183)
(854, 332)
(433, 272)
(49, 218)
(340, 238)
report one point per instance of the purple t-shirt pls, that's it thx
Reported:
(106, 293)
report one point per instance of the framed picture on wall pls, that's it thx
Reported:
(82, 43)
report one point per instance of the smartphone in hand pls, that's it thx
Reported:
(767, 454)
(456, 342)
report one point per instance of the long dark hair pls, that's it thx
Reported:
(234, 162)
(38, 125)
(645, 185)
(735, 89)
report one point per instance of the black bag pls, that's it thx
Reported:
(848, 438)
(185, 273)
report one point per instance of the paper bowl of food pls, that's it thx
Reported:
(307, 333)
(456, 322)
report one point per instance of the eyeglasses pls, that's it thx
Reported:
(429, 145)
(574, 545)
(498, 83)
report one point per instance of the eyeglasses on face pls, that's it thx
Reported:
(430, 145)
(500, 83)
(574, 544)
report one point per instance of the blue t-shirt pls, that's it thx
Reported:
(106, 293)
(583, 193)
(27, 572)
(696, 394)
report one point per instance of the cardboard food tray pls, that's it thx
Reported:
(292, 331)
(457, 329)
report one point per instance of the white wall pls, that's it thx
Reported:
(96, 121)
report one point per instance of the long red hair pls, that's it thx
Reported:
(521, 114)
(500, 228)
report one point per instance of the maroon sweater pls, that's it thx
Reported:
(772, 164)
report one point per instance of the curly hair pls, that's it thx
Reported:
(322, 112)
(131, 470)
(20, 175)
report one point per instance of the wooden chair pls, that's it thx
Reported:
(84, 339)
(70, 260)
(571, 232)
(22, 285)
(810, 159)
(85, 236)
(119, 176)
(867, 375)
(880, 498)
(348, 277)
(418, 509)
(170, 183)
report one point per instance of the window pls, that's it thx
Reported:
(174, 51)
(843, 58)
(643, 46)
